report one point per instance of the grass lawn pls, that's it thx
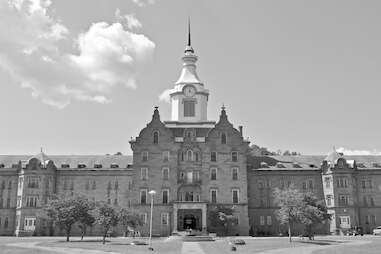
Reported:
(120, 245)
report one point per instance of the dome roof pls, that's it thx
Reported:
(333, 156)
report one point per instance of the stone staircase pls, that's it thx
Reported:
(195, 236)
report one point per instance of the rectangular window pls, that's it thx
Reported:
(143, 218)
(31, 201)
(363, 184)
(8, 203)
(235, 196)
(145, 156)
(345, 222)
(143, 197)
(213, 156)
(329, 200)
(234, 156)
(234, 173)
(213, 174)
(262, 220)
(269, 221)
(166, 156)
(18, 201)
(310, 184)
(304, 185)
(370, 184)
(327, 182)
(343, 200)
(32, 182)
(164, 218)
(165, 173)
(189, 108)
(213, 196)
(165, 194)
(143, 173)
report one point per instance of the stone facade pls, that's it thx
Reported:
(193, 165)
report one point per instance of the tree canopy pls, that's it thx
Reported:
(298, 207)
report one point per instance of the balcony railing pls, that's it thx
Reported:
(189, 181)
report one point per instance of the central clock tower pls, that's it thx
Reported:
(189, 98)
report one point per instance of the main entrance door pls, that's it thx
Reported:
(189, 219)
(189, 222)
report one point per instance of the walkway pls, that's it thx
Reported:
(191, 248)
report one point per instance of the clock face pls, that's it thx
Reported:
(189, 91)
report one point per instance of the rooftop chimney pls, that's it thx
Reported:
(240, 130)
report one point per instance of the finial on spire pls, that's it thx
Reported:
(41, 149)
(189, 48)
(223, 106)
(189, 32)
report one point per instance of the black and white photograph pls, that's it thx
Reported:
(190, 126)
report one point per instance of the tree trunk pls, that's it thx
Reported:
(67, 235)
(289, 232)
(104, 237)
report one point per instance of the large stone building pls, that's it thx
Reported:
(193, 164)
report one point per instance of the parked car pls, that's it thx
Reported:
(377, 231)
(355, 231)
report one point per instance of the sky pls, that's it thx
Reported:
(83, 77)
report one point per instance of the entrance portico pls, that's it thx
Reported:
(189, 215)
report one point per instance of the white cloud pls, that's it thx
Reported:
(129, 19)
(357, 152)
(164, 96)
(142, 3)
(30, 50)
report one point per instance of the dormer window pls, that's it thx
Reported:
(65, 165)
(81, 165)
(114, 165)
(280, 165)
(360, 165)
(264, 165)
(97, 165)
(156, 137)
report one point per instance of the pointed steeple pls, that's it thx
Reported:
(223, 115)
(188, 73)
(156, 115)
(189, 32)
(189, 48)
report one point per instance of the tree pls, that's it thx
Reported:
(118, 153)
(86, 218)
(64, 212)
(314, 212)
(107, 217)
(222, 217)
(290, 201)
(129, 219)
(286, 153)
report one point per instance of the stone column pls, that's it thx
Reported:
(203, 210)
(174, 218)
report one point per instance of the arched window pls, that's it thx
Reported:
(189, 155)
(182, 156)
(196, 156)
(223, 138)
(156, 137)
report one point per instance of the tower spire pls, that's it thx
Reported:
(188, 48)
(189, 32)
